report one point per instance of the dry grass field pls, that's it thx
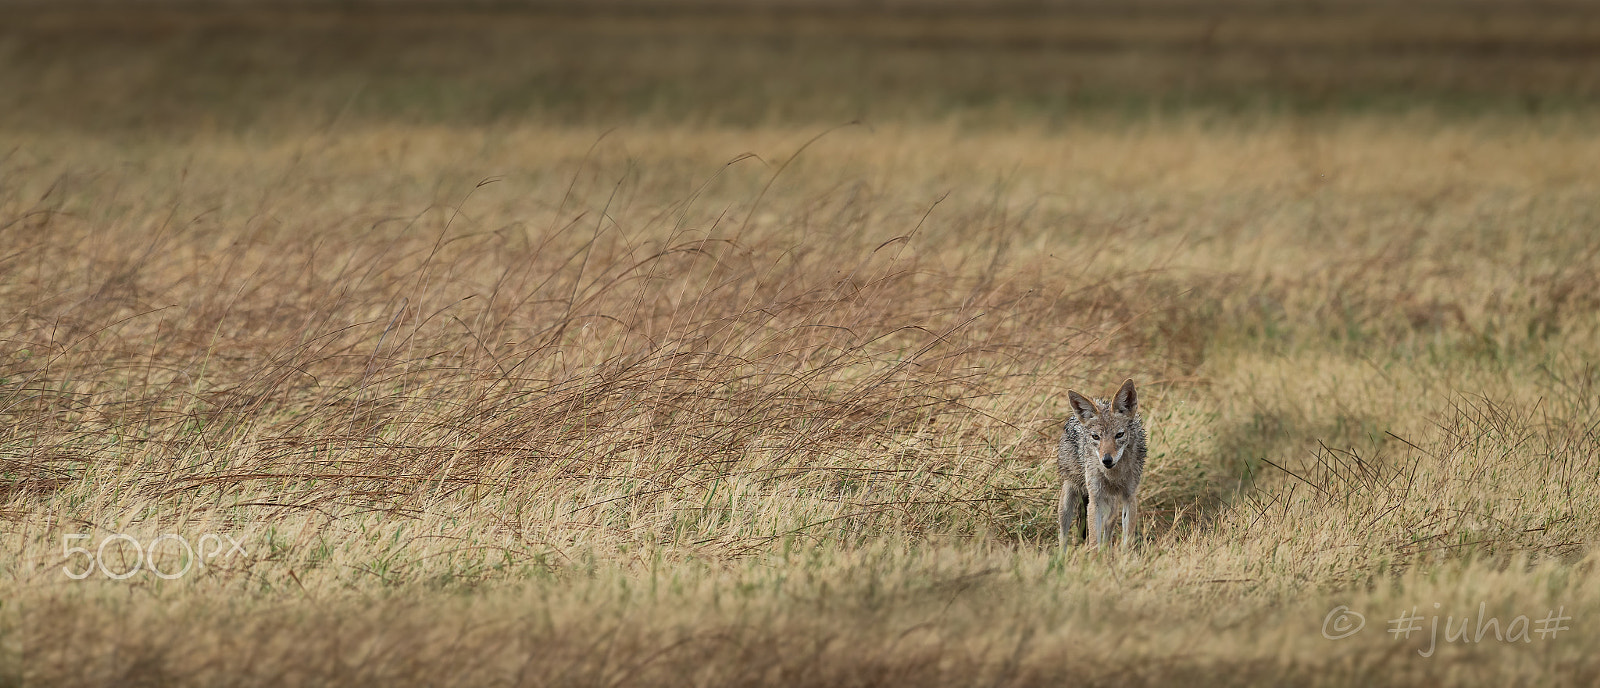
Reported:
(723, 349)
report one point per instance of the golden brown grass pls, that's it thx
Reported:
(529, 402)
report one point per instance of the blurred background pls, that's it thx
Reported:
(232, 65)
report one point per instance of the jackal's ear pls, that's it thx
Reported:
(1127, 400)
(1081, 406)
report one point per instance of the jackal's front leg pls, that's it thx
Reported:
(1071, 497)
(1092, 518)
(1102, 509)
(1130, 520)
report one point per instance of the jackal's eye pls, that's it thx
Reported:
(1095, 435)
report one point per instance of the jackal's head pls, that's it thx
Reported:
(1110, 426)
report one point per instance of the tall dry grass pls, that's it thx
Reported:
(490, 400)
(788, 418)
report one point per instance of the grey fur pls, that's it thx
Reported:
(1087, 485)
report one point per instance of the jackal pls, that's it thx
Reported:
(1101, 458)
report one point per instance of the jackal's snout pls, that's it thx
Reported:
(1109, 451)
